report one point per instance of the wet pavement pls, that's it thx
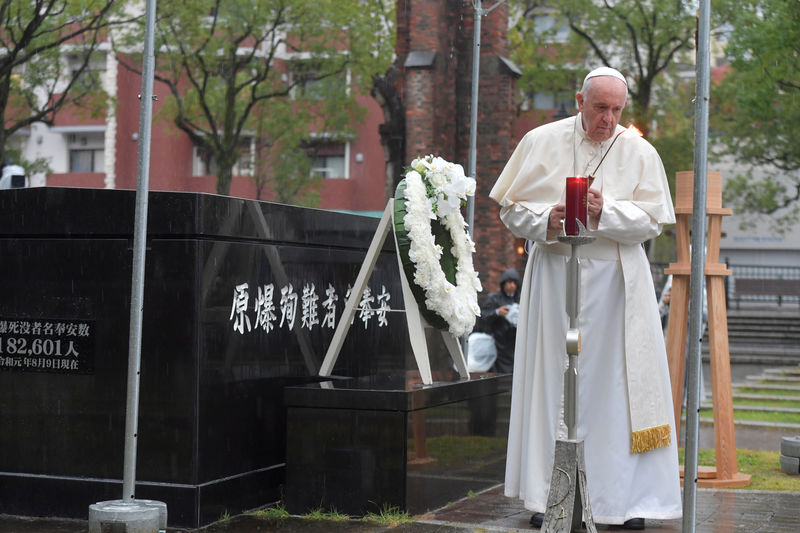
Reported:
(717, 511)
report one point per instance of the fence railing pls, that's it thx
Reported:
(763, 284)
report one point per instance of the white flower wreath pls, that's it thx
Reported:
(435, 189)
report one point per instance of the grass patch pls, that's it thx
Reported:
(763, 466)
(388, 516)
(777, 380)
(321, 514)
(768, 403)
(276, 512)
(758, 416)
(771, 392)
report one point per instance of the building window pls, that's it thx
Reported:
(203, 163)
(310, 80)
(85, 160)
(555, 28)
(328, 160)
(86, 152)
(86, 71)
(247, 158)
(552, 100)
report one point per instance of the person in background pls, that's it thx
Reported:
(663, 304)
(499, 313)
(624, 410)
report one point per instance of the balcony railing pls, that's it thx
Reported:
(751, 284)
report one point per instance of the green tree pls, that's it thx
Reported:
(47, 54)
(673, 137)
(756, 109)
(280, 75)
(641, 38)
(674, 142)
(542, 47)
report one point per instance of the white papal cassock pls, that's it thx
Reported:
(624, 402)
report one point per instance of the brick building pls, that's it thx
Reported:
(434, 83)
(102, 152)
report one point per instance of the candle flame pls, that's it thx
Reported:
(630, 129)
(633, 130)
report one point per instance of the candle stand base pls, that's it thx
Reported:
(568, 501)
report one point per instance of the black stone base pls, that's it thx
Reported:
(187, 505)
(369, 444)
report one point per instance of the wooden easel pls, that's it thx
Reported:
(416, 323)
(726, 473)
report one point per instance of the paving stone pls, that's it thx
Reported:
(730, 511)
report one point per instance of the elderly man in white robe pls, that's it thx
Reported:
(624, 405)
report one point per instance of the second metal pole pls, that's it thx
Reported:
(573, 344)
(140, 239)
(697, 277)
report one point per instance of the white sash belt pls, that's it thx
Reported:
(603, 249)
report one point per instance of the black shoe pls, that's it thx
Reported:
(634, 523)
(537, 519)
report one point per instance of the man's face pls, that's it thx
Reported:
(510, 287)
(601, 106)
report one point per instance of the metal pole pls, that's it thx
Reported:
(573, 344)
(697, 279)
(473, 124)
(139, 240)
(473, 121)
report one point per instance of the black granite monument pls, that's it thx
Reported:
(241, 301)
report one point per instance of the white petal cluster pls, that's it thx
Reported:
(435, 189)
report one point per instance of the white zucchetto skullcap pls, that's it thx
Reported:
(606, 71)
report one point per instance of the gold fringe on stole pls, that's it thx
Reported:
(649, 439)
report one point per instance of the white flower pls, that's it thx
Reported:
(470, 186)
(431, 208)
(456, 304)
(445, 208)
(415, 173)
(456, 169)
(476, 281)
(440, 164)
(454, 202)
(437, 178)
(456, 189)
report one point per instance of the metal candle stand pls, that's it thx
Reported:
(568, 500)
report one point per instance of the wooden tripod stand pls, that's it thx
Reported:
(726, 473)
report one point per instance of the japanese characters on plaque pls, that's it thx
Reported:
(47, 345)
(268, 307)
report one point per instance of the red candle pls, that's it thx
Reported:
(577, 203)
